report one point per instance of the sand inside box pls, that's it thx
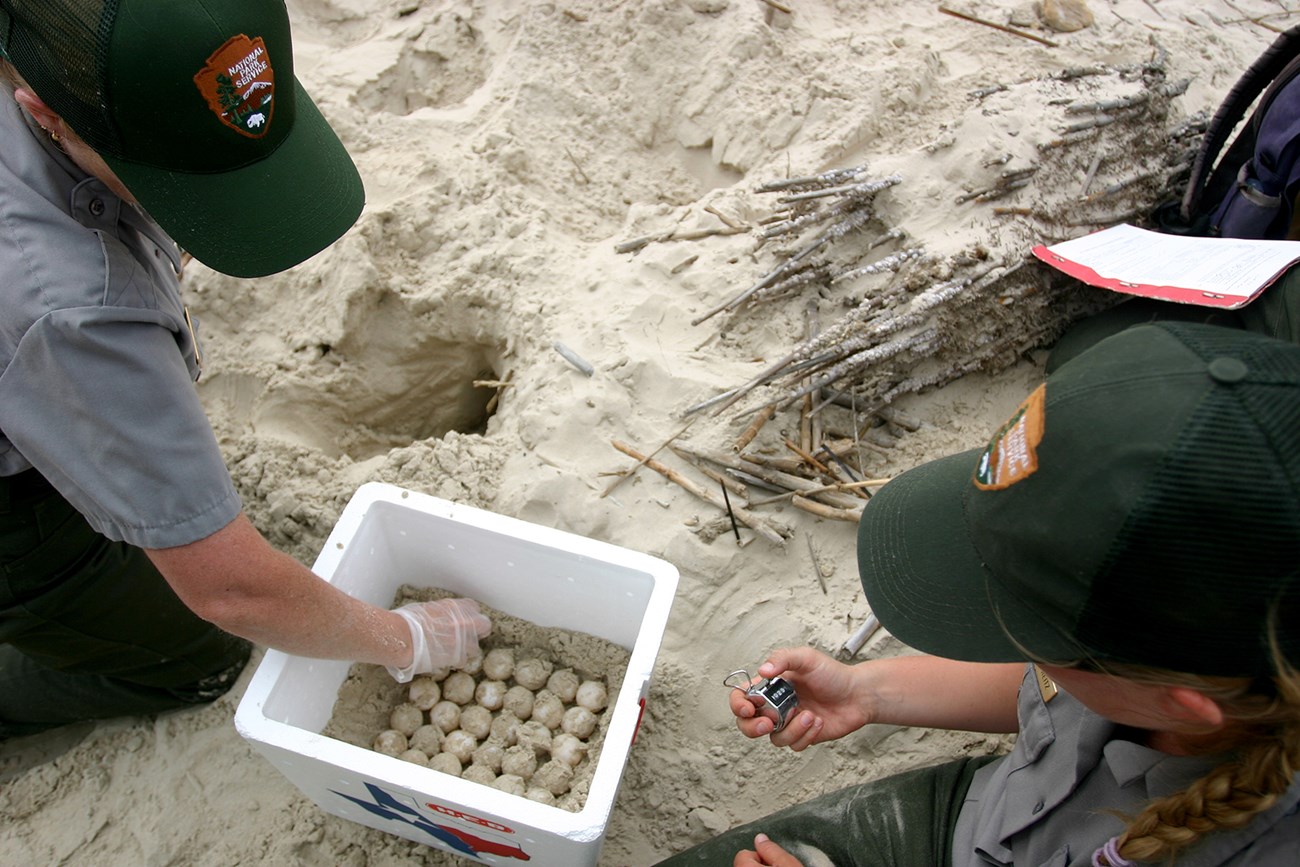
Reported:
(369, 694)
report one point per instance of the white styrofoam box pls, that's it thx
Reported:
(387, 537)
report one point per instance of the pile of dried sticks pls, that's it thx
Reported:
(917, 321)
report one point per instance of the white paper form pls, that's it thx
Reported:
(1211, 272)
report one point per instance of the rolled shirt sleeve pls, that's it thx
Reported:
(102, 403)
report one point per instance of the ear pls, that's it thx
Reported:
(36, 107)
(1194, 707)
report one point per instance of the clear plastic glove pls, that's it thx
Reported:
(444, 634)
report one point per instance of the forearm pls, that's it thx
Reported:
(237, 581)
(933, 692)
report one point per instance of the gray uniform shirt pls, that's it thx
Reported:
(97, 361)
(1042, 805)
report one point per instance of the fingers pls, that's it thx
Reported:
(748, 720)
(788, 660)
(466, 611)
(768, 854)
(800, 732)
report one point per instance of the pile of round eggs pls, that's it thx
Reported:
(519, 725)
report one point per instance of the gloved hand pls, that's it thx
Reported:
(444, 634)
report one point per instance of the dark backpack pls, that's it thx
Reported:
(1251, 191)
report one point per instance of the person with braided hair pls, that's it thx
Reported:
(1115, 577)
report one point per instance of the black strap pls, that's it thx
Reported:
(1263, 73)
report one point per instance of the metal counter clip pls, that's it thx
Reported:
(774, 698)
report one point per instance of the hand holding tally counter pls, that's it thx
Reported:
(1113, 577)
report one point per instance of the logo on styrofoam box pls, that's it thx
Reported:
(405, 809)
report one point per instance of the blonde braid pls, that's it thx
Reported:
(1230, 796)
(9, 77)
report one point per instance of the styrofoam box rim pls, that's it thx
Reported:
(588, 824)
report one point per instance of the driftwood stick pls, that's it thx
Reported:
(823, 511)
(500, 385)
(786, 481)
(817, 567)
(843, 486)
(1013, 31)
(673, 235)
(811, 423)
(844, 466)
(726, 500)
(746, 517)
(627, 474)
(785, 465)
(753, 481)
(830, 178)
(727, 398)
(747, 437)
(809, 459)
(839, 230)
(730, 221)
(574, 358)
(713, 401)
(734, 485)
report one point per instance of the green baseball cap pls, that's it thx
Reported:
(195, 107)
(1142, 507)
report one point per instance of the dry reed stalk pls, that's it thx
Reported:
(746, 517)
(1013, 31)
(627, 474)
(823, 511)
(810, 460)
(747, 437)
(784, 481)
(674, 235)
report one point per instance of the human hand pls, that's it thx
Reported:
(768, 854)
(831, 703)
(444, 634)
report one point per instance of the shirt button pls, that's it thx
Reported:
(97, 207)
(1038, 808)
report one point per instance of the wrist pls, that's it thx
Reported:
(406, 636)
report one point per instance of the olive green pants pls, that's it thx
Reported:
(897, 821)
(1275, 312)
(89, 629)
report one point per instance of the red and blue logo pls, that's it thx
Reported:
(403, 808)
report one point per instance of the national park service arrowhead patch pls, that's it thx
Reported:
(1012, 454)
(239, 85)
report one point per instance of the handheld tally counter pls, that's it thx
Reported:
(773, 698)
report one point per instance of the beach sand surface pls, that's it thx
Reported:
(508, 149)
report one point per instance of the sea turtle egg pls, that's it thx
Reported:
(476, 720)
(563, 683)
(499, 663)
(390, 743)
(458, 687)
(424, 692)
(592, 696)
(406, 718)
(532, 672)
(579, 721)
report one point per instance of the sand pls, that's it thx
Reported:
(508, 149)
